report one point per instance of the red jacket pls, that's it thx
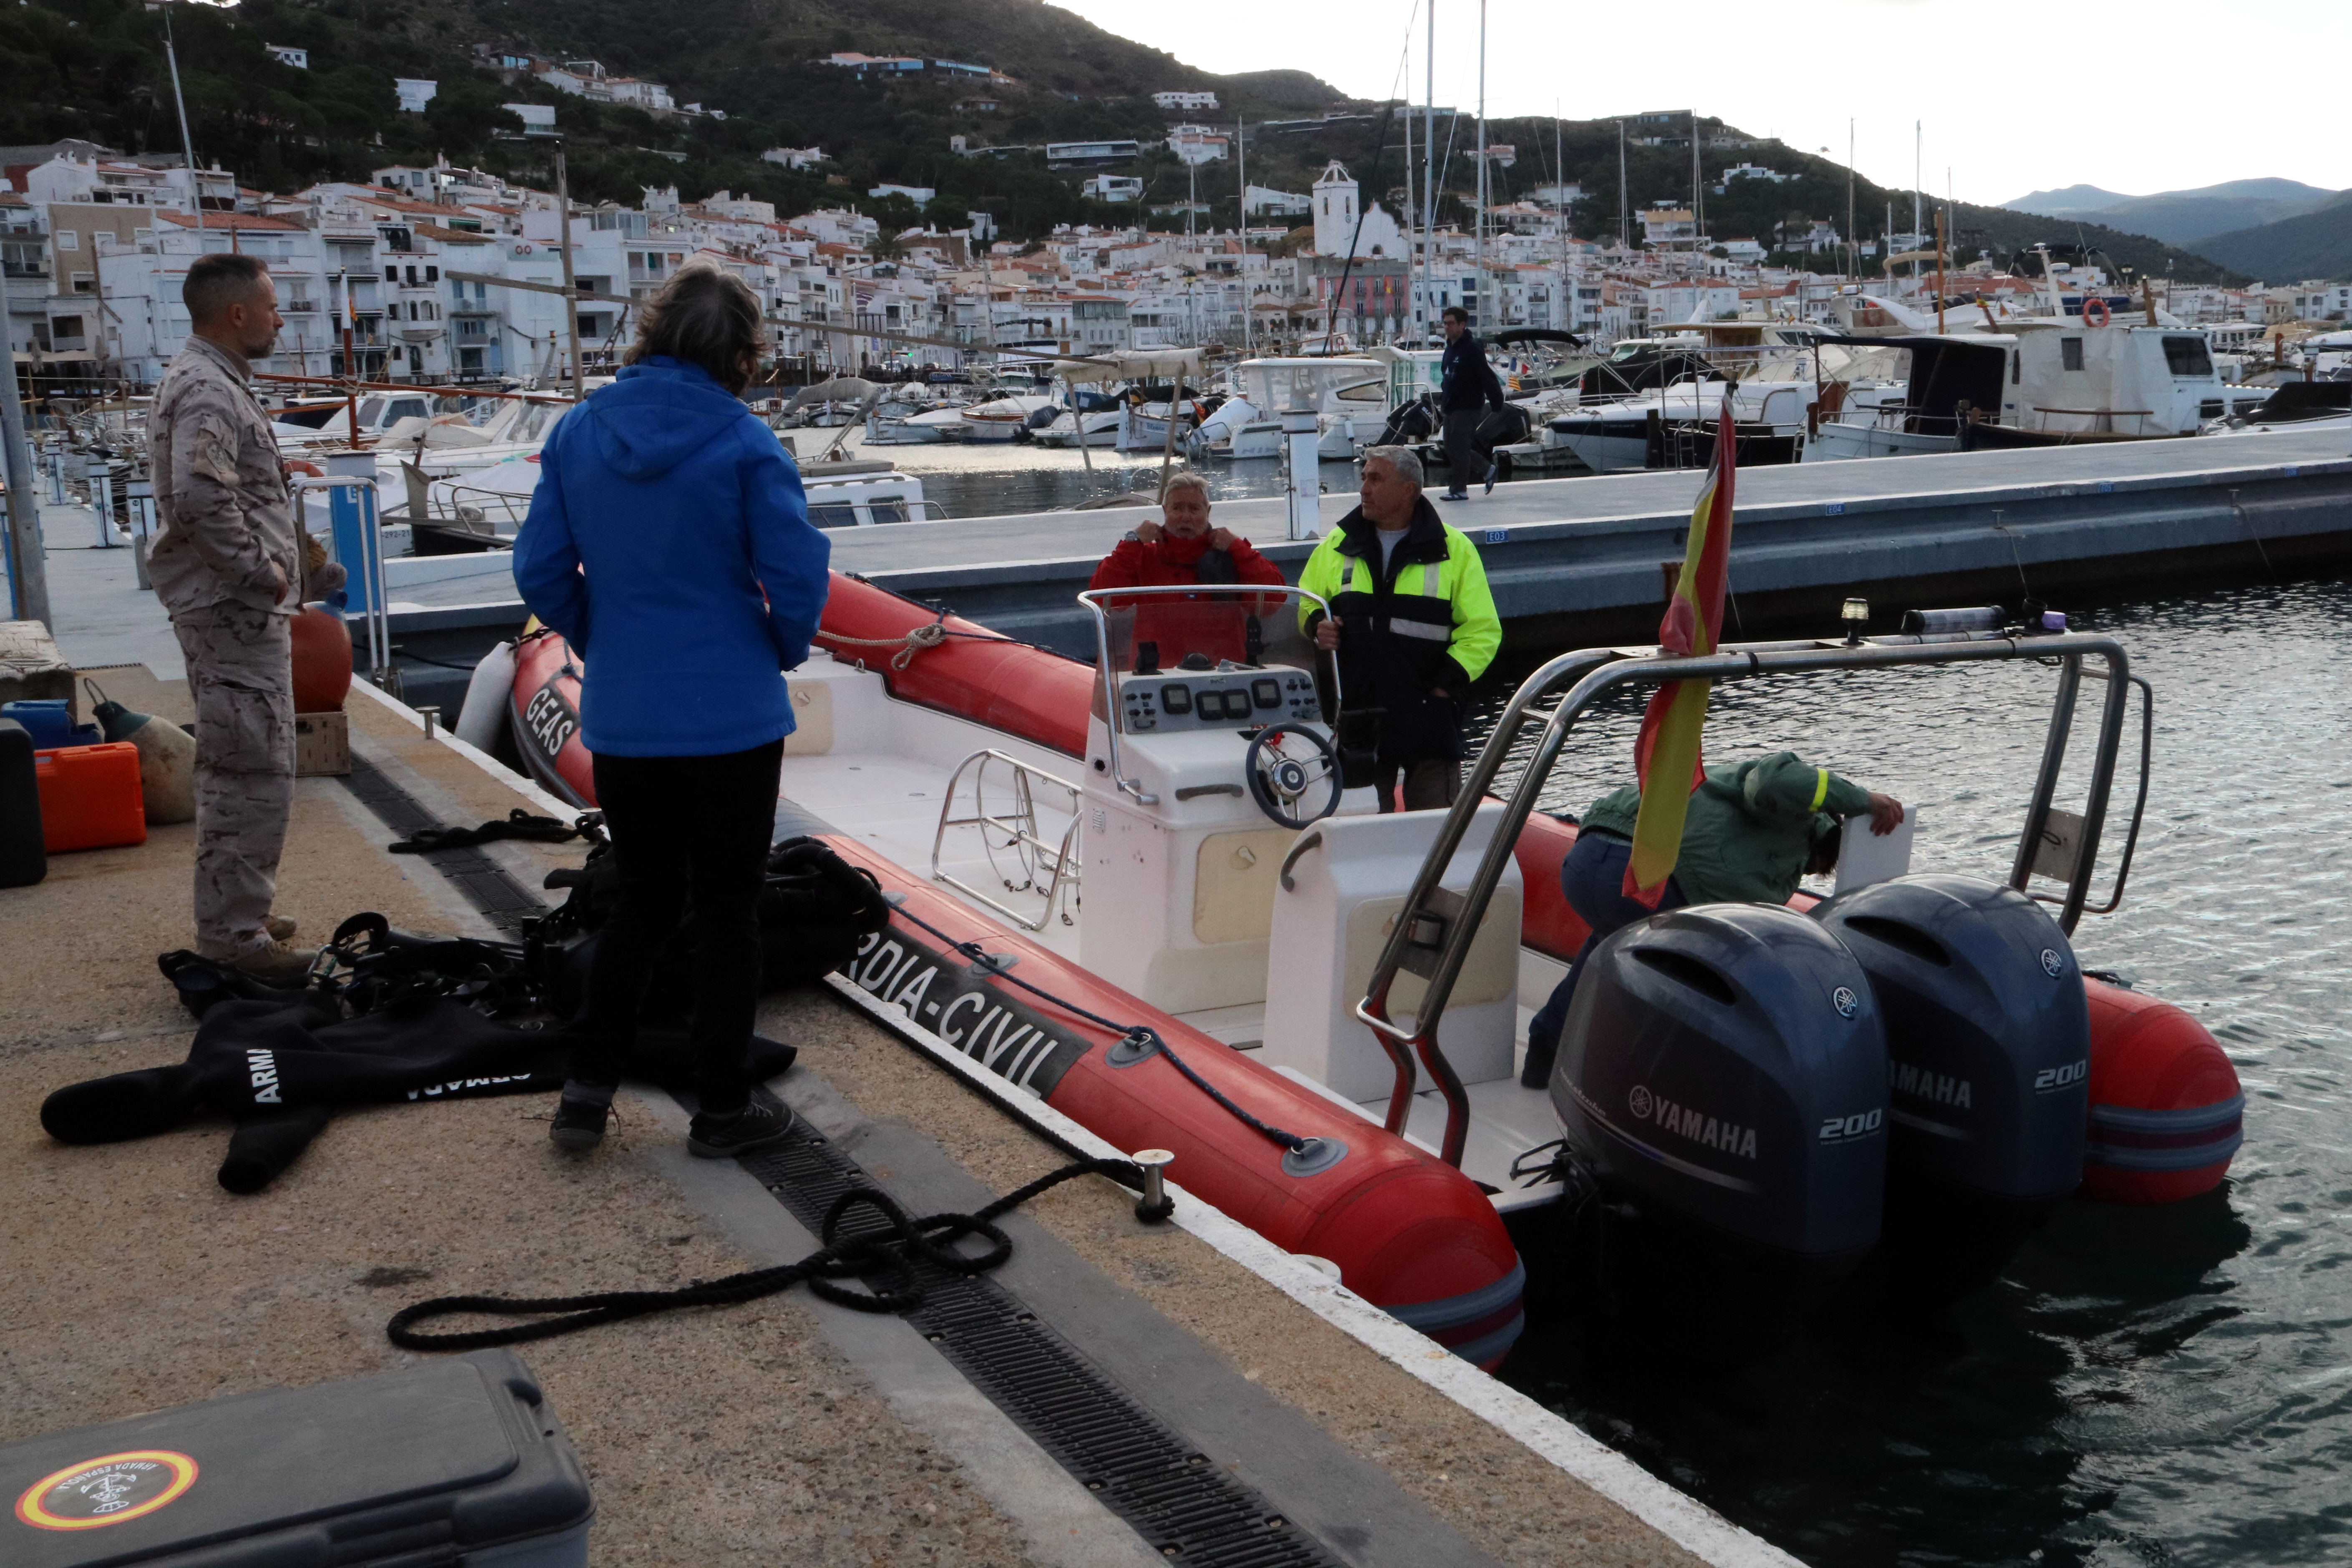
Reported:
(1209, 624)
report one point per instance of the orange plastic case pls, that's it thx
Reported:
(90, 797)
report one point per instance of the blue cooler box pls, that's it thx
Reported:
(49, 721)
(447, 1463)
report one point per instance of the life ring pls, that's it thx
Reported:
(2093, 303)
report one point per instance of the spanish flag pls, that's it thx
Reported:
(1666, 756)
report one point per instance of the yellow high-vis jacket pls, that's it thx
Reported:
(1414, 634)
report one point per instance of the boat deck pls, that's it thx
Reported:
(783, 1430)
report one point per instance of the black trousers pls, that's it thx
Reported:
(680, 825)
(1465, 465)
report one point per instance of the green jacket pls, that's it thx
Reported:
(1750, 830)
(1424, 624)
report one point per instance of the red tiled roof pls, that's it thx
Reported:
(247, 221)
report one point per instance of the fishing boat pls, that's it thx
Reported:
(1320, 1008)
(2039, 382)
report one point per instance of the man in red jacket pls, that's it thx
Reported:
(1182, 550)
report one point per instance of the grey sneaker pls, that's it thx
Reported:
(277, 964)
(763, 1122)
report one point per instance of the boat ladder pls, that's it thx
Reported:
(1041, 867)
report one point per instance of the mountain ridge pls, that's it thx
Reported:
(2181, 217)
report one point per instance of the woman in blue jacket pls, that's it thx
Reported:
(669, 542)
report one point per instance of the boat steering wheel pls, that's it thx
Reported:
(1281, 775)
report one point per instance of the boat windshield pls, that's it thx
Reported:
(1241, 651)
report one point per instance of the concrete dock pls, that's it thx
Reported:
(786, 1430)
(1578, 561)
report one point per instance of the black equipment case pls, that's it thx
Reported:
(450, 1462)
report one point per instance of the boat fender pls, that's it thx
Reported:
(2167, 1112)
(167, 758)
(323, 660)
(483, 719)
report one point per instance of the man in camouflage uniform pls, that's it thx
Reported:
(233, 568)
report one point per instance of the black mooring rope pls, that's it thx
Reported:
(1142, 1034)
(890, 1252)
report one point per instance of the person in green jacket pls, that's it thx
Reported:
(1753, 830)
(1412, 621)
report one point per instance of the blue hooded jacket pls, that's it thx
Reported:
(669, 542)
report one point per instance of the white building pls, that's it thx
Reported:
(1198, 144)
(1286, 204)
(415, 93)
(288, 55)
(920, 195)
(1185, 102)
(794, 157)
(1336, 215)
(2313, 300)
(538, 119)
(1112, 188)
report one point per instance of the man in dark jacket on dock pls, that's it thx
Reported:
(1467, 388)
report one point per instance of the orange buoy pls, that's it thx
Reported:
(322, 661)
(2167, 1112)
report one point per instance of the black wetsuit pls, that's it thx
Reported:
(279, 1069)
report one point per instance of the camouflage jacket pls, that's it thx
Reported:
(226, 515)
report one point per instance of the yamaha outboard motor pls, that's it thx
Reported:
(1722, 1076)
(1988, 1059)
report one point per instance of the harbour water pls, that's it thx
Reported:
(2169, 1385)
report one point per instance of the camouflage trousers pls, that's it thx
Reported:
(241, 674)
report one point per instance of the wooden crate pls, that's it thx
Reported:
(322, 745)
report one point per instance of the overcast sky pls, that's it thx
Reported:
(2134, 99)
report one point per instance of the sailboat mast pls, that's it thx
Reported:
(1429, 177)
(1917, 153)
(1249, 312)
(1486, 305)
(187, 147)
(1624, 212)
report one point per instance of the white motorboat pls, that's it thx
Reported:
(1349, 397)
(1238, 430)
(1101, 427)
(1672, 425)
(1002, 418)
(489, 506)
(2041, 382)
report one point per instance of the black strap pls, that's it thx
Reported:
(516, 824)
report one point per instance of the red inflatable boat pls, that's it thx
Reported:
(1408, 1231)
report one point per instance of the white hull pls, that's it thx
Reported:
(1834, 442)
(903, 433)
(987, 430)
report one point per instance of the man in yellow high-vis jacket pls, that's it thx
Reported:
(1412, 623)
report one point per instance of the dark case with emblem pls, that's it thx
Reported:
(450, 1462)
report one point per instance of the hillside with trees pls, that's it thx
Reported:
(96, 70)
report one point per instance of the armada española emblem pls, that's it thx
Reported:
(108, 1490)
